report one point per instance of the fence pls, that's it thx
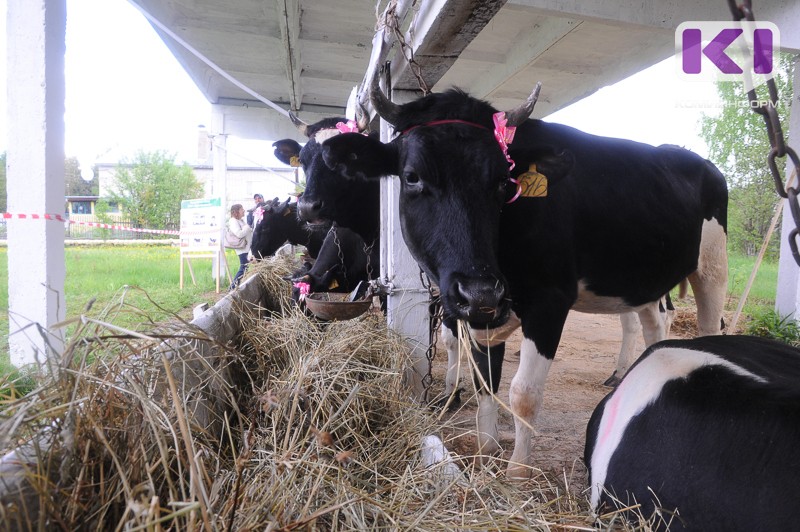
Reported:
(78, 227)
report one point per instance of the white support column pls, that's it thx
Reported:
(787, 298)
(36, 44)
(407, 305)
(219, 183)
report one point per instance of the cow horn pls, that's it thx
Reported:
(517, 116)
(385, 108)
(301, 126)
(362, 117)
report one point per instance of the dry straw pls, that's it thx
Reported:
(296, 425)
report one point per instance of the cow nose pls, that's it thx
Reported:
(308, 211)
(479, 300)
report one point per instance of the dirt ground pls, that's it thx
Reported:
(586, 356)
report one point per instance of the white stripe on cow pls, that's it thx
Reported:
(640, 388)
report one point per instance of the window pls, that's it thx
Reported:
(81, 207)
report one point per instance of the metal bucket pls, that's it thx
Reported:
(332, 306)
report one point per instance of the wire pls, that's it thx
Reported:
(207, 61)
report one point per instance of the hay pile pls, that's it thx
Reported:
(300, 425)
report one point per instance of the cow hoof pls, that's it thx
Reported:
(613, 381)
(449, 403)
(488, 450)
(518, 472)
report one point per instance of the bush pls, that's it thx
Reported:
(770, 324)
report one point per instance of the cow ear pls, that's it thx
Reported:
(554, 163)
(358, 156)
(556, 166)
(287, 151)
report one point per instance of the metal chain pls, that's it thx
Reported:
(368, 253)
(779, 148)
(391, 22)
(435, 312)
(339, 248)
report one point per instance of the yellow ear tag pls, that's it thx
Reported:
(294, 161)
(533, 184)
(334, 284)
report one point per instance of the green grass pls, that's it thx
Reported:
(106, 275)
(762, 294)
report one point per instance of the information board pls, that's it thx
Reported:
(201, 224)
(202, 221)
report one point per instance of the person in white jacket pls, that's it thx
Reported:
(239, 228)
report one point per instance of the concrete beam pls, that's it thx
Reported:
(289, 23)
(668, 14)
(526, 51)
(439, 32)
(36, 32)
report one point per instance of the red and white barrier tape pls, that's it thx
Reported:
(60, 218)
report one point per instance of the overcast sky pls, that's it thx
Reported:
(125, 92)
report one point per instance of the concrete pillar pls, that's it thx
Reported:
(407, 305)
(219, 182)
(36, 44)
(787, 298)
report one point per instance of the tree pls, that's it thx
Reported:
(149, 188)
(74, 184)
(738, 144)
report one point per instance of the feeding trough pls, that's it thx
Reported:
(331, 306)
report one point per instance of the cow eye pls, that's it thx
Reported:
(411, 177)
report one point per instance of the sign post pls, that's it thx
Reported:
(202, 223)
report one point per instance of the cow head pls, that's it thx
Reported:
(272, 227)
(329, 196)
(454, 179)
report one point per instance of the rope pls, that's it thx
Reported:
(60, 218)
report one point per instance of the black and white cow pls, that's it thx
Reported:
(279, 224)
(596, 225)
(710, 427)
(355, 203)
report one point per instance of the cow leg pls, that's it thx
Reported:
(669, 312)
(631, 328)
(450, 341)
(541, 329)
(488, 350)
(654, 327)
(451, 398)
(489, 364)
(710, 280)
